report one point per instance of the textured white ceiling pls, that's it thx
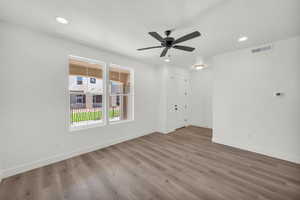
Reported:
(121, 25)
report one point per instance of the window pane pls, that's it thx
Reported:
(120, 103)
(86, 92)
(116, 87)
(114, 108)
(119, 107)
(119, 80)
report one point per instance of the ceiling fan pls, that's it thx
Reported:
(170, 42)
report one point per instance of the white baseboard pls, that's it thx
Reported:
(44, 162)
(167, 131)
(278, 155)
(201, 126)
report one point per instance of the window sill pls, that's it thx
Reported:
(87, 126)
(121, 122)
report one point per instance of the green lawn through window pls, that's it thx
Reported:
(87, 116)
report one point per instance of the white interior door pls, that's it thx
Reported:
(177, 102)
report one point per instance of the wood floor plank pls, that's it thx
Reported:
(184, 164)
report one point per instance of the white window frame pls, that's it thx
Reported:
(106, 94)
(131, 93)
(104, 76)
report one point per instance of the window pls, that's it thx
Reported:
(97, 101)
(77, 100)
(88, 95)
(93, 80)
(80, 98)
(79, 80)
(120, 93)
(86, 87)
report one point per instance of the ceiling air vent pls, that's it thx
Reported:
(260, 49)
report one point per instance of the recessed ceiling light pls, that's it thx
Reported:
(61, 20)
(243, 38)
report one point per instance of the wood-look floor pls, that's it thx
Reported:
(182, 165)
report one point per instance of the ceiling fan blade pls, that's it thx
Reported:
(184, 48)
(164, 52)
(187, 37)
(156, 36)
(149, 48)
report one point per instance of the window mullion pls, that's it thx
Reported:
(107, 93)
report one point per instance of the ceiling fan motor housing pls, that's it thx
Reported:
(167, 42)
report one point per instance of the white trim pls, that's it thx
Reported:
(121, 67)
(86, 126)
(89, 60)
(120, 122)
(278, 155)
(166, 131)
(200, 125)
(107, 86)
(43, 162)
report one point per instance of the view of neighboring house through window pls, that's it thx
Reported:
(120, 94)
(86, 89)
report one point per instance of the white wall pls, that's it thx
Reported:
(34, 100)
(0, 175)
(162, 117)
(246, 114)
(201, 97)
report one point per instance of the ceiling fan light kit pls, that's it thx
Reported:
(170, 42)
(168, 58)
(199, 65)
